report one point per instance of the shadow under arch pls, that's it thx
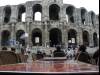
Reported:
(83, 15)
(7, 14)
(5, 37)
(95, 39)
(70, 11)
(37, 37)
(21, 11)
(86, 38)
(19, 34)
(54, 10)
(55, 37)
(72, 37)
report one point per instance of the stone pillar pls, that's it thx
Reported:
(62, 14)
(79, 37)
(77, 16)
(29, 19)
(29, 12)
(94, 20)
(66, 39)
(29, 39)
(64, 19)
(13, 18)
(45, 15)
(87, 19)
(13, 34)
(45, 35)
(1, 15)
(28, 31)
(97, 19)
(91, 39)
(65, 33)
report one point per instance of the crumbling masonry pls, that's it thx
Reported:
(60, 24)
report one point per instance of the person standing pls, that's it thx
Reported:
(82, 55)
(96, 57)
(58, 52)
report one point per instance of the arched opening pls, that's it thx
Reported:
(83, 12)
(72, 41)
(69, 13)
(7, 12)
(19, 38)
(37, 11)
(86, 38)
(37, 16)
(37, 37)
(95, 39)
(54, 10)
(5, 37)
(21, 13)
(92, 17)
(55, 37)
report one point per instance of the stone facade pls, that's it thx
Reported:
(79, 27)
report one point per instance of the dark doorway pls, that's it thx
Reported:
(7, 13)
(69, 12)
(54, 12)
(19, 34)
(21, 11)
(55, 37)
(86, 38)
(5, 37)
(72, 34)
(83, 13)
(37, 37)
(95, 39)
(92, 17)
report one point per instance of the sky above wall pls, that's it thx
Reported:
(88, 4)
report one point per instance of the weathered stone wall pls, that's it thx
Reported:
(45, 25)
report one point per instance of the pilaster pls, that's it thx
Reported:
(90, 39)
(45, 36)
(13, 18)
(29, 12)
(77, 16)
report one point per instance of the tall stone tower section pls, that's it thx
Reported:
(54, 7)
